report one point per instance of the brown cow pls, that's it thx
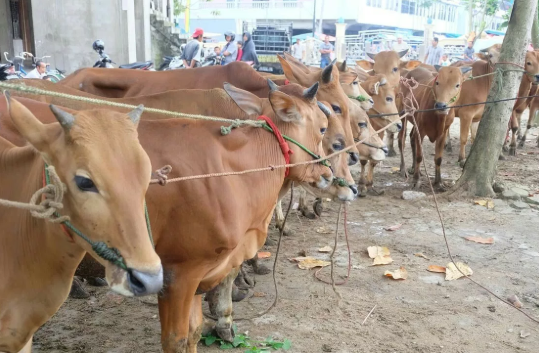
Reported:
(533, 105)
(224, 220)
(440, 92)
(98, 157)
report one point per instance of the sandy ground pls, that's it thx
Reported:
(424, 313)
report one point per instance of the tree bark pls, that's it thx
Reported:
(480, 168)
(535, 32)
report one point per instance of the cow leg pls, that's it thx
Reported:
(391, 148)
(362, 182)
(418, 157)
(473, 131)
(370, 179)
(304, 209)
(465, 124)
(413, 145)
(175, 309)
(222, 307)
(448, 146)
(514, 132)
(196, 324)
(402, 142)
(77, 289)
(258, 268)
(279, 220)
(438, 155)
(533, 111)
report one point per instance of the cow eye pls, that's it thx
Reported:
(355, 83)
(458, 85)
(85, 184)
(437, 83)
(362, 125)
(389, 99)
(337, 146)
(323, 130)
(395, 69)
(528, 63)
(336, 109)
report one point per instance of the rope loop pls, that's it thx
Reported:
(162, 174)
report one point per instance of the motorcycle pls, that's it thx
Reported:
(17, 67)
(105, 62)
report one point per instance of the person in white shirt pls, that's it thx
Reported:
(298, 51)
(39, 71)
(400, 45)
(445, 60)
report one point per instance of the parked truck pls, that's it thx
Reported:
(270, 40)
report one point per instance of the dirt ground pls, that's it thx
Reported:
(423, 313)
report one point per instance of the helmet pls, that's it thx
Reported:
(98, 45)
(231, 35)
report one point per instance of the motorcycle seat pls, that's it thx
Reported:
(136, 65)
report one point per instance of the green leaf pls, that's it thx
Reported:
(209, 340)
(226, 345)
(287, 344)
(240, 339)
(277, 345)
(235, 328)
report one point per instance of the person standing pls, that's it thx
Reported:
(249, 49)
(326, 49)
(39, 71)
(400, 45)
(445, 60)
(469, 52)
(230, 50)
(192, 53)
(298, 51)
(434, 53)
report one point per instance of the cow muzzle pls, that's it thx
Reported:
(442, 108)
(353, 158)
(134, 282)
(324, 182)
(536, 79)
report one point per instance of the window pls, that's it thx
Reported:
(408, 7)
(230, 4)
(290, 3)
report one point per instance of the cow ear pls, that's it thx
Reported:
(482, 56)
(287, 69)
(346, 78)
(365, 65)
(402, 53)
(284, 107)
(28, 125)
(410, 65)
(246, 101)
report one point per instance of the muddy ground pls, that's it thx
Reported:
(423, 313)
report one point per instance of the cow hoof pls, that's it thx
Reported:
(239, 294)
(226, 334)
(449, 148)
(440, 187)
(207, 327)
(462, 162)
(308, 214)
(403, 173)
(521, 143)
(505, 148)
(269, 242)
(97, 282)
(376, 192)
(262, 270)
(513, 151)
(318, 207)
(411, 171)
(243, 282)
(417, 185)
(77, 290)
(391, 153)
(286, 232)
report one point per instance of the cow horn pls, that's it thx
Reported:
(371, 55)
(327, 74)
(324, 109)
(343, 66)
(64, 118)
(272, 85)
(134, 115)
(310, 93)
(437, 67)
(402, 53)
(484, 50)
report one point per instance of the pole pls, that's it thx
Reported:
(320, 27)
(314, 17)
(470, 17)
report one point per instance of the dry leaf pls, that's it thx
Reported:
(325, 249)
(259, 294)
(264, 254)
(436, 268)
(401, 273)
(382, 260)
(324, 230)
(452, 273)
(480, 202)
(480, 240)
(375, 251)
(309, 262)
(395, 169)
(420, 254)
(515, 301)
(394, 227)
(490, 204)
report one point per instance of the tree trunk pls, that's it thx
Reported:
(470, 18)
(535, 32)
(480, 168)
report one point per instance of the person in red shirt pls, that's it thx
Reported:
(240, 51)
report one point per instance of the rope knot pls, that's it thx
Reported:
(225, 130)
(162, 175)
(48, 200)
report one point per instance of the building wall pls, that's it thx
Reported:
(6, 37)
(66, 29)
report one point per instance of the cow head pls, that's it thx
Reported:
(373, 148)
(446, 87)
(384, 96)
(332, 142)
(295, 111)
(354, 89)
(490, 54)
(532, 66)
(106, 172)
(330, 90)
(388, 63)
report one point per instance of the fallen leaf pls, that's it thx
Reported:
(264, 254)
(382, 260)
(309, 262)
(377, 251)
(480, 202)
(401, 273)
(515, 301)
(394, 227)
(480, 240)
(490, 204)
(395, 169)
(452, 273)
(325, 249)
(324, 230)
(259, 294)
(436, 268)
(420, 254)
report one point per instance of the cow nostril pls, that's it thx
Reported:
(142, 283)
(354, 189)
(439, 105)
(386, 151)
(399, 127)
(371, 101)
(353, 159)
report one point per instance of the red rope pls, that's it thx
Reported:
(285, 148)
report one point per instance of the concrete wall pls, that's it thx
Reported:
(66, 29)
(6, 37)
(143, 30)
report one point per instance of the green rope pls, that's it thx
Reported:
(340, 182)
(360, 98)
(148, 223)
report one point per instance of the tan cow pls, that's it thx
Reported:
(439, 91)
(223, 220)
(98, 157)
(533, 105)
